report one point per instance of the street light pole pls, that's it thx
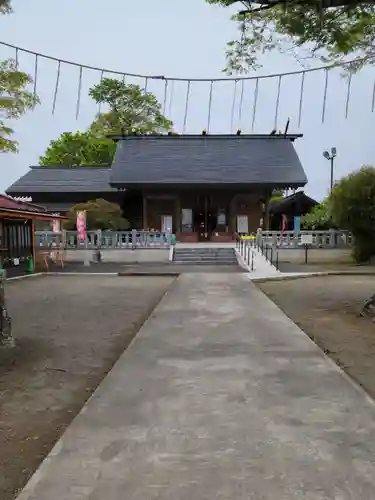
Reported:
(331, 157)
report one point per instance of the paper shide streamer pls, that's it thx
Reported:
(169, 83)
(56, 87)
(277, 103)
(241, 104)
(301, 99)
(210, 107)
(78, 104)
(348, 95)
(233, 106)
(166, 85)
(186, 105)
(35, 73)
(255, 103)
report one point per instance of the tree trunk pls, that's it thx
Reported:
(6, 339)
(369, 307)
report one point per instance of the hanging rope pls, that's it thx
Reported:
(35, 73)
(255, 104)
(37, 56)
(348, 95)
(56, 87)
(146, 84)
(209, 107)
(241, 103)
(233, 105)
(277, 103)
(186, 105)
(301, 99)
(123, 78)
(156, 77)
(79, 92)
(325, 96)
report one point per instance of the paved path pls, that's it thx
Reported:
(220, 397)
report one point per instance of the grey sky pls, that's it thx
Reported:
(183, 39)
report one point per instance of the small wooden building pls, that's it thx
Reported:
(295, 205)
(200, 187)
(17, 233)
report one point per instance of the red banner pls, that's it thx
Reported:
(81, 225)
(284, 223)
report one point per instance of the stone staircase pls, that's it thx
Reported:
(216, 256)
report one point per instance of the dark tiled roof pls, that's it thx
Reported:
(62, 180)
(58, 207)
(300, 198)
(250, 159)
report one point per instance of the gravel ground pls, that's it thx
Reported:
(69, 330)
(327, 308)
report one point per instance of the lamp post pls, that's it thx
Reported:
(330, 156)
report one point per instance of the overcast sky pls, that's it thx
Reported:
(182, 39)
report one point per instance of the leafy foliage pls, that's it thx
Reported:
(130, 110)
(79, 148)
(15, 99)
(319, 218)
(353, 207)
(277, 196)
(100, 214)
(331, 34)
(5, 7)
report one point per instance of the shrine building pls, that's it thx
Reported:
(200, 187)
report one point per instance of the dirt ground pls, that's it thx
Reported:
(347, 267)
(326, 308)
(69, 330)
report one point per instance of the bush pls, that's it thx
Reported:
(319, 218)
(100, 214)
(353, 208)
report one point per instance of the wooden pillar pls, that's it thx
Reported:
(144, 212)
(232, 215)
(33, 246)
(178, 215)
(266, 222)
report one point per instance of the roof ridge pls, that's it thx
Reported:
(66, 167)
(206, 136)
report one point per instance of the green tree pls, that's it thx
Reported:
(329, 33)
(15, 99)
(5, 6)
(130, 109)
(319, 218)
(79, 148)
(100, 214)
(353, 207)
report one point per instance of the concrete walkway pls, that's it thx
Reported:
(220, 397)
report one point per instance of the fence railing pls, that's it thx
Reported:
(317, 239)
(272, 243)
(246, 248)
(104, 239)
